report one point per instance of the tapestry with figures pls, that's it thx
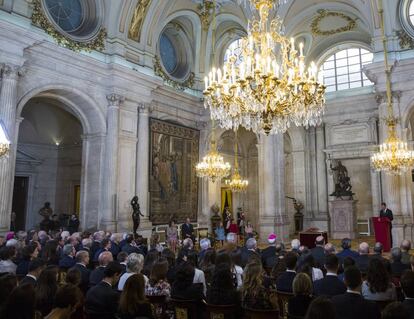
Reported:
(173, 181)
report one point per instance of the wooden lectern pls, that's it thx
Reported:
(382, 228)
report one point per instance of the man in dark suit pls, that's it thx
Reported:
(36, 266)
(249, 252)
(330, 285)
(105, 246)
(318, 252)
(407, 285)
(102, 300)
(346, 250)
(363, 258)
(386, 212)
(405, 251)
(82, 262)
(187, 230)
(96, 244)
(378, 248)
(269, 258)
(130, 246)
(285, 280)
(397, 267)
(351, 305)
(98, 274)
(68, 259)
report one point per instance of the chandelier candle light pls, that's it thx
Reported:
(271, 88)
(394, 156)
(236, 183)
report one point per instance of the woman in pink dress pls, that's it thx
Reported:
(172, 236)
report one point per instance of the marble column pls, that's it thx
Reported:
(110, 171)
(142, 171)
(8, 105)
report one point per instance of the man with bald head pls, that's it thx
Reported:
(405, 251)
(97, 275)
(363, 258)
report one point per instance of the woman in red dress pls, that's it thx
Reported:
(232, 227)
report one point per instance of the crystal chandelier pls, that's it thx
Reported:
(236, 183)
(4, 142)
(394, 156)
(213, 166)
(271, 88)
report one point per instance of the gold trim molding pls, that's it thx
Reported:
(158, 70)
(322, 14)
(40, 19)
(405, 40)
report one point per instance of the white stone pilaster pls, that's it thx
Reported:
(109, 200)
(8, 101)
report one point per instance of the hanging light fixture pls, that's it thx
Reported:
(237, 184)
(271, 88)
(394, 156)
(213, 166)
(4, 141)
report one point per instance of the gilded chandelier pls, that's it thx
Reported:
(237, 184)
(271, 88)
(213, 166)
(394, 156)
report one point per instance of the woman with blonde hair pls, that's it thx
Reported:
(302, 289)
(254, 293)
(133, 302)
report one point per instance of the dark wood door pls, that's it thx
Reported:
(20, 200)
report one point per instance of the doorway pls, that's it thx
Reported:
(19, 203)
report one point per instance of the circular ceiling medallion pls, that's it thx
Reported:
(317, 23)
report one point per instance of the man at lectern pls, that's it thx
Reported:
(386, 212)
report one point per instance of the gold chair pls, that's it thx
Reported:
(220, 311)
(283, 300)
(184, 309)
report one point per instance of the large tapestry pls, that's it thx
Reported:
(173, 180)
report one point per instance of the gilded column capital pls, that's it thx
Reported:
(11, 71)
(115, 100)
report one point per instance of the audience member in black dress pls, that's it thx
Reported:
(223, 290)
(407, 285)
(207, 265)
(35, 268)
(46, 289)
(67, 301)
(397, 267)
(183, 286)
(330, 285)
(170, 256)
(302, 290)
(102, 300)
(133, 303)
(395, 310)
(285, 280)
(254, 293)
(352, 305)
(322, 308)
(21, 304)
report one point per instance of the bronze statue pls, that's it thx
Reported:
(46, 211)
(136, 213)
(137, 19)
(341, 180)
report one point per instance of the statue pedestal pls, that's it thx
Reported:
(343, 218)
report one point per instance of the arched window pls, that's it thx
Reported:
(235, 48)
(411, 12)
(343, 70)
(406, 9)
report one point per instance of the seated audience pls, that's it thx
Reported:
(68, 260)
(346, 250)
(6, 260)
(352, 305)
(269, 258)
(222, 290)
(395, 310)
(236, 269)
(104, 246)
(254, 294)
(66, 302)
(249, 252)
(285, 280)
(407, 285)
(158, 284)
(36, 266)
(318, 252)
(46, 289)
(378, 285)
(21, 304)
(121, 258)
(168, 254)
(130, 246)
(397, 267)
(205, 244)
(321, 308)
(102, 300)
(29, 253)
(198, 273)
(362, 260)
(405, 251)
(207, 265)
(302, 290)
(132, 303)
(135, 262)
(149, 261)
(74, 277)
(308, 266)
(329, 249)
(377, 254)
(346, 262)
(330, 285)
(82, 262)
(295, 244)
(51, 252)
(183, 286)
(98, 273)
